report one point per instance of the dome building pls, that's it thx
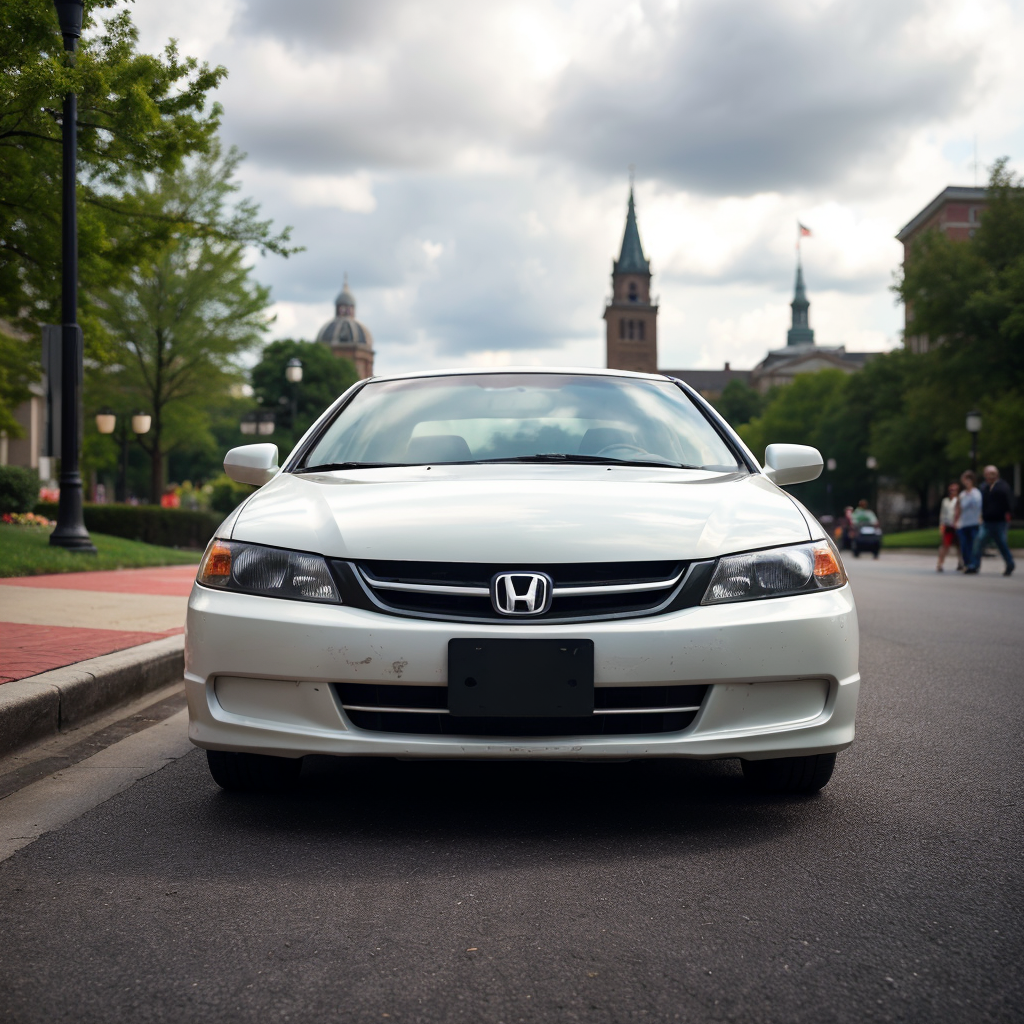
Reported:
(346, 337)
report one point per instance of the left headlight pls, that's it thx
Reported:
(777, 572)
(268, 572)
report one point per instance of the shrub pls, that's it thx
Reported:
(226, 495)
(168, 527)
(19, 489)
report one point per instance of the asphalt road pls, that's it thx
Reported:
(550, 892)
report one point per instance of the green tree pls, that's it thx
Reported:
(324, 378)
(137, 113)
(968, 298)
(19, 367)
(795, 414)
(185, 315)
(739, 403)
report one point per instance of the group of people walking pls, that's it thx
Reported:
(971, 517)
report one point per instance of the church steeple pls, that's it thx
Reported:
(800, 333)
(631, 335)
(631, 259)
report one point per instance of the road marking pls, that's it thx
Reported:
(68, 794)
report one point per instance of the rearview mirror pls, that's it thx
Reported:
(252, 463)
(785, 464)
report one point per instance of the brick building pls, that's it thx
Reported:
(345, 336)
(631, 318)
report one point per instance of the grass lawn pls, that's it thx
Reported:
(930, 539)
(26, 551)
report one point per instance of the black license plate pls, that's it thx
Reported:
(521, 678)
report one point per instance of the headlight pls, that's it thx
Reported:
(270, 572)
(777, 572)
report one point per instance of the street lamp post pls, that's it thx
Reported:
(293, 374)
(974, 429)
(106, 421)
(70, 531)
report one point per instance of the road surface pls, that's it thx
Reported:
(411, 891)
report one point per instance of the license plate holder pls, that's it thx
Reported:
(498, 678)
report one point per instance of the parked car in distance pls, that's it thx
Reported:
(522, 564)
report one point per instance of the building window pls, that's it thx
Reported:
(622, 327)
(631, 330)
(640, 329)
(633, 297)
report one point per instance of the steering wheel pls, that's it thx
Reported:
(621, 450)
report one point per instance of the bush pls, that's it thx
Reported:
(168, 527)
(19, 489)
(226, 495)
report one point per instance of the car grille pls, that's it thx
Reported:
(461, 590)
(423, 710)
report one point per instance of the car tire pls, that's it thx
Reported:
(790, 775)
(856, 551)
(252, 773)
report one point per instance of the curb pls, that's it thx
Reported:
(44, 705)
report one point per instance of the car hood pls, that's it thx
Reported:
(516, 514)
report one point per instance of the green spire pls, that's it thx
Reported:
(631, 260)
(800, 333)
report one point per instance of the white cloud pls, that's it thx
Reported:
(466, 162)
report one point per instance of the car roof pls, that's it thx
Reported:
(593, 371)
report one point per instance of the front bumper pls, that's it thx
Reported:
(782, 676)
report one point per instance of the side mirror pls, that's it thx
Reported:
(252, 463)
(786, 463)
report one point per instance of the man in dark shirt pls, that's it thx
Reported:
(996, 504)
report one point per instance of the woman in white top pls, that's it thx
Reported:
(947, 527)
(968, 520)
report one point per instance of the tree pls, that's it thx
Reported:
(136, 113)
(739, 403)
(185, 315)
(968, 297)
(324, 378)
(18, 369)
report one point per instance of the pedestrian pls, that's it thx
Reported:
(968, 520)
(996, 504)
(947, 528)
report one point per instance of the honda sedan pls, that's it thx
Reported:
(522, 564)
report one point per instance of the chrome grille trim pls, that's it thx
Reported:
(423, 588)
(435, 588)
(643, 711)
(393, 710)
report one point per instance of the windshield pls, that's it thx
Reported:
(496, 417)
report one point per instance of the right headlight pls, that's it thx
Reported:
(776, 572)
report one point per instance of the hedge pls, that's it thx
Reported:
(19, 489)
(168, 527)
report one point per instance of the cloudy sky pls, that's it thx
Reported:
(467, 163)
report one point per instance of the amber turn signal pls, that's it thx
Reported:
(215, 568)
(826, 564)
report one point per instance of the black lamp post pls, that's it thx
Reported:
(106, 422)
(70, 531)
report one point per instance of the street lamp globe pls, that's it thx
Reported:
(293, 371)
(872, 462)
(974, 422)
(105, 421)
(141, 422)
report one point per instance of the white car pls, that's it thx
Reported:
(522, 563)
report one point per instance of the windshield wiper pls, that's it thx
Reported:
(328, 466)
(601, 460)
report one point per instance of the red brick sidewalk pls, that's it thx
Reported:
(46, 626)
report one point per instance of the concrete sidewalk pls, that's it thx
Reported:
(76, 644)
(48, 622)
